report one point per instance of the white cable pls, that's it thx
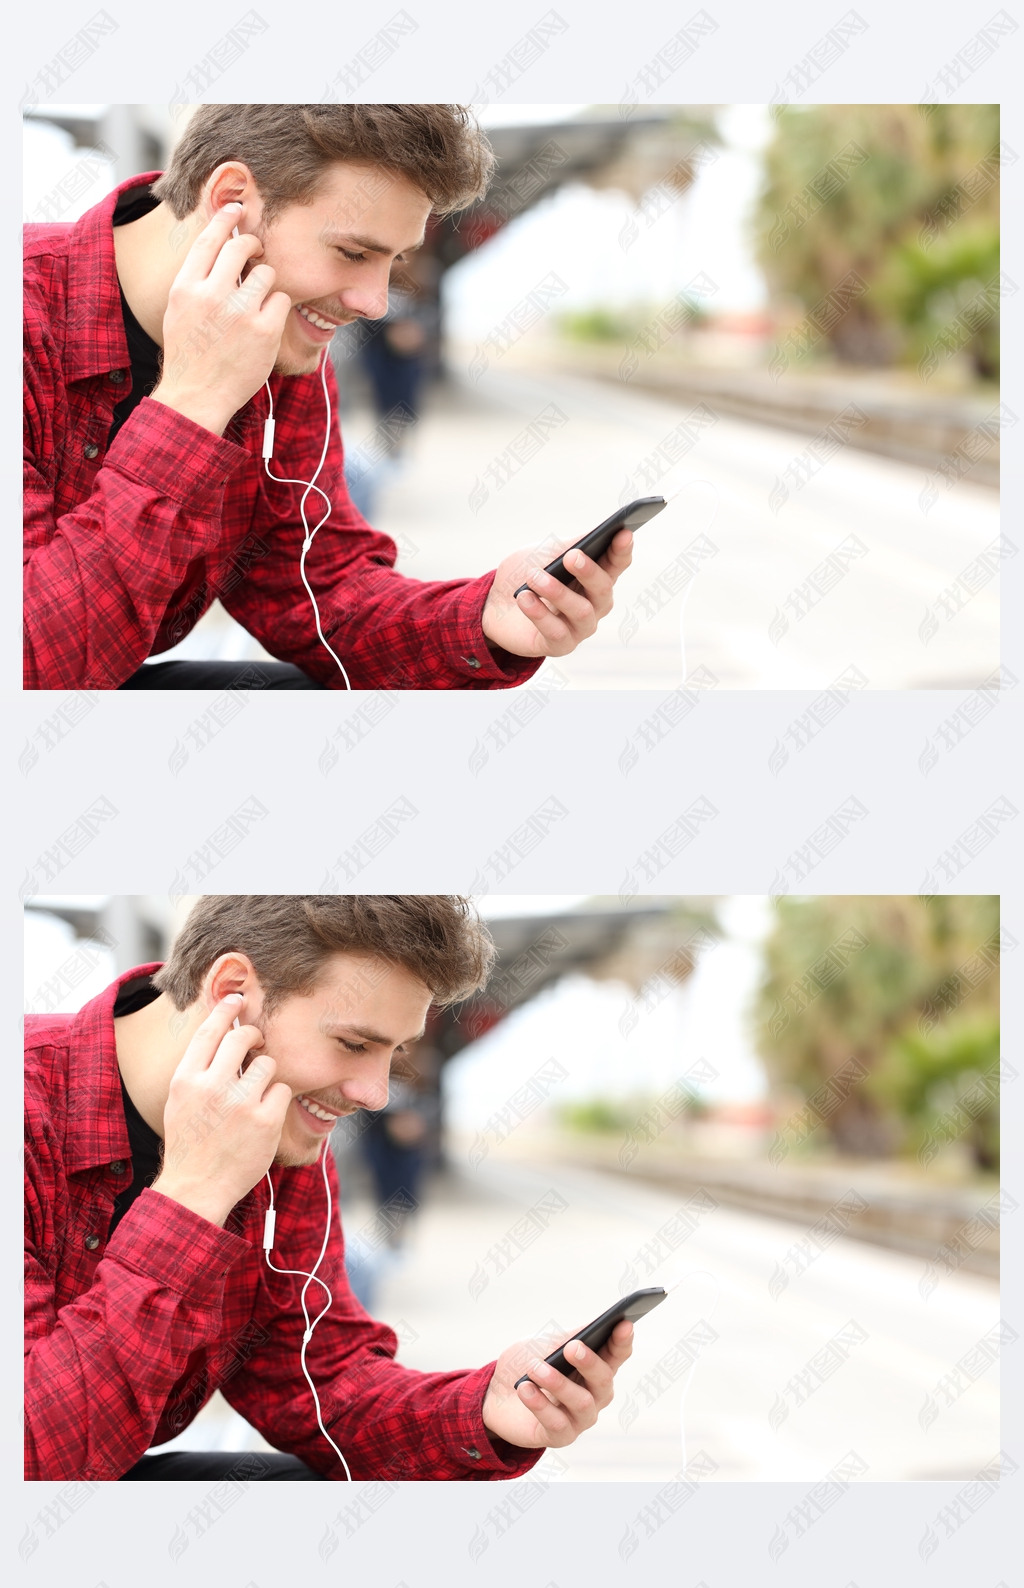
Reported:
(693, 1365)
(689, 587)
(310, 485)
(268, 452)
(309, 1278)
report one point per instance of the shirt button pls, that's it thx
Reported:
(91, 451)
(91, 1242)
(117, 377)
(471, 661)
(117, 1167)
(473, 1453)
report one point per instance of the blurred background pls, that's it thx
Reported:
(787, 1108)
(787, 320)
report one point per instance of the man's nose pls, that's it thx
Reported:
(369, 299)
(369, 1090)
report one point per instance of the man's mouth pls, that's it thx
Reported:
(317, 1111)
(322, 322)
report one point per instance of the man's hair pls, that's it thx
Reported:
(289, 937)
(288, 149)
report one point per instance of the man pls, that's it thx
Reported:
(156, 340)
(159, 1121)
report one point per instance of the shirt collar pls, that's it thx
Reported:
(96, 1129)
(94, 299)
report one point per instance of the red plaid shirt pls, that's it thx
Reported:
(126, 548)
(126, 1338)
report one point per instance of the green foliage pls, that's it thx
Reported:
(597, 1114)
(902, 987)
(595, 325)
(905, 196)
(929, 1080)
(603, 324)
(603, 1115)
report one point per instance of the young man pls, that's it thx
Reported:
(155, 340)
(160, 1119)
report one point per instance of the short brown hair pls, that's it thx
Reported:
(288, 148)
(288, 937)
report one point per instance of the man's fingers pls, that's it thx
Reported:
(558, 1426)
(250, 296)
(561, 1406)
(598, 583)
(205, 251)
(619, 1346)
(234, 1050)
(556, 633)
(570, 604)
(209, 1036)
(274, 1102)
(232, 260)
(275, 309)
(619, 554)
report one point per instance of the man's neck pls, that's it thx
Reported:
(150, 1044)
(148, 254)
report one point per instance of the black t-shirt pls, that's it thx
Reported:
(146, 1146)
(143, 352)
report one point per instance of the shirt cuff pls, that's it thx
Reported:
(164, 1241)
(175, 456)
(470, 653)
(476, 1449)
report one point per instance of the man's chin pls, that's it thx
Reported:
(293, 364)
(296, 1157)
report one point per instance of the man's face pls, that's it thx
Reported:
(333, 257)
(334, 1046)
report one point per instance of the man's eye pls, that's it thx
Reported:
(355, 258)
(353, 1047)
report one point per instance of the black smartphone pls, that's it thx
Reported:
(597, 542)
(597, 1333)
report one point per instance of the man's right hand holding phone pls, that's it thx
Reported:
(549, 1410)
(551, 619)
(221, 1129)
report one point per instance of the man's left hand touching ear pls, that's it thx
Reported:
(552, 1410)
(550, 619)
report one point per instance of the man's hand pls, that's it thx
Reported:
(221, 1129)
(550, 619)
(558, 1411)
(221, 340)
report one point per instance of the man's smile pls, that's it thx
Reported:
(320, 1115)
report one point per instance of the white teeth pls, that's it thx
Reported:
(311, 1108)
(322, 325)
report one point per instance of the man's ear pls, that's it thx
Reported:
(231, 973)
(232, 183)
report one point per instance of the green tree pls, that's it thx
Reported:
(901, 991)
(907, 198)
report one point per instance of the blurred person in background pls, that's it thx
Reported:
(394, 354)
(395, 1145)
(156, 341)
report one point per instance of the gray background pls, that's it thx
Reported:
(421, 750)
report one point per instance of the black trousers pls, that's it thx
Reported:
(248, 1467)
(219, 675)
